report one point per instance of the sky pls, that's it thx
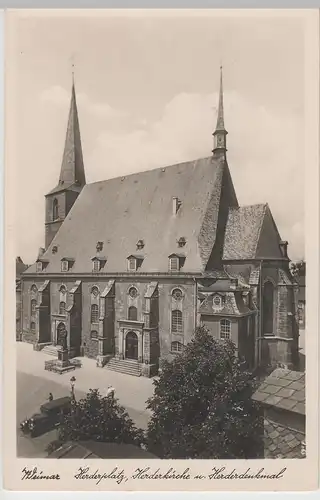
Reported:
(147, 94)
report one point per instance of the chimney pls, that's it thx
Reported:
(41, 252)
(175, 205)
(284, 249)
(233, 283)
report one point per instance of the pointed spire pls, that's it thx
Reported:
(72, 168)
(220, 119)
(220, 133)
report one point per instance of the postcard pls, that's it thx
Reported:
(162, 250)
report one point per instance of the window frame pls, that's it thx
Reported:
(33, 310)
(94, 314)
(179, 346)
(55, 209)
(94, 337)
(131, 309)
(176, 321)
(64, 266)
(62, 310)
(133, 296)
(96, 265)
(225, 324)
(177, 261)
(134, 261)
(39, 266)
(33, 330)
(177, 290)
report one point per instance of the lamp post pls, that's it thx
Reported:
(72, 384)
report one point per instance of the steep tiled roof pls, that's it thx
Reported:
(121, 211)
(281, 441)
(242, 232)
(283, 389)
(20, 267)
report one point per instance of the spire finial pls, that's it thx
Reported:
(220, 134)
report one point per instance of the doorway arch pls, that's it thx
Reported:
(131, 346)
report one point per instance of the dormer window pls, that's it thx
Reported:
(66, 264)
(176, 261)
(140, 245)
(41, 264)
(217, 302)
(134, 262)
(98, 263)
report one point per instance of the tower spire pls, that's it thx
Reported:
(220, 133)
(72, 168)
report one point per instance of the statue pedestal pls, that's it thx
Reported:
(62, 364)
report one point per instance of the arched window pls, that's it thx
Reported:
(55, 214)
(33, 326)
(176, 321)
(63, 289)
(62, 308)
(225, 329)
(176, 347)
(33, 306)
(267, 312)
(132, 313)
(94, 313)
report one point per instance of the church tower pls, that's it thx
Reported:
(72, 176)
(220, 133)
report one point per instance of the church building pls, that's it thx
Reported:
(132, 265)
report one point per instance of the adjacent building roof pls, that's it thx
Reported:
(20, 267)
(120, 211)
(251, 233)
(283, 389)
(242, 232)
(94, 449)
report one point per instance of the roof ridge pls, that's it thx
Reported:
(124, 176)
(265, 206)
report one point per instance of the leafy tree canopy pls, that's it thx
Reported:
(100, 419)
(202, 405)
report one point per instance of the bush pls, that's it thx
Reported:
(202, 406)
(100, 419)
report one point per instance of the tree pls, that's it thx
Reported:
(100, 419)
(202, 405)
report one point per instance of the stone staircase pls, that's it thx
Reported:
(127, 366)
(51, 350)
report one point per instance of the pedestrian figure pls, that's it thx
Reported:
(110, 392)
(50, 396)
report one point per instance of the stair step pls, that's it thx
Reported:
(128, 367)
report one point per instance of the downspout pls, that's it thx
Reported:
(260, 314)
(195, 304)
